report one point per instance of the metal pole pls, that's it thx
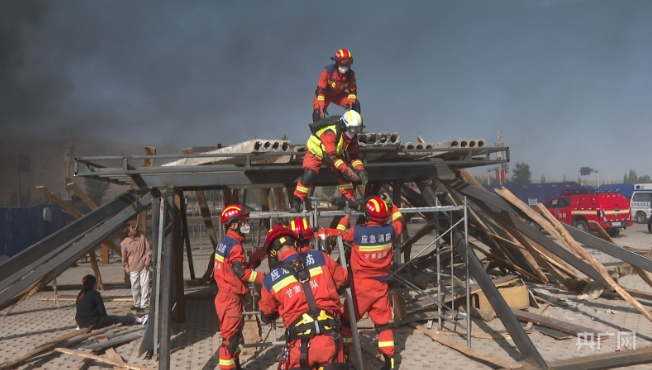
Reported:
(349, 300)
(166, 281)
(466, 270)
(159, 228)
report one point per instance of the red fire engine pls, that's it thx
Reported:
(578, 207)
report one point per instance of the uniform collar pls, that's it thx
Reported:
(232, 234)
(287, 254)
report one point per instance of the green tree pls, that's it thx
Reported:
(521, 173)
(644, 179)
(630, 178)
(96, 189)
(543, 179)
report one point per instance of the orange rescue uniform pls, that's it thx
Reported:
(333, 87)
(371, 259)
(284, 295)
(231, 275)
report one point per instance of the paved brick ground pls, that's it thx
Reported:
(195, 342)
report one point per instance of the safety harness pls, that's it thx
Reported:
(313, 322)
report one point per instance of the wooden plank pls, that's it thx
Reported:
(210, 230)
(503, 362)
(550, 322)
(70, 298)
(43, 348)
(558, 335)
(100, 359)
(186, 237)
(605, 360)
(459, 292)
(555, 228)
(605, 235)
(113, 355)
(76, 214)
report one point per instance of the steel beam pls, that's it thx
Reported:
(504, 313)
(59, 263)
(498, 207)
(44, 249)
(166, 283)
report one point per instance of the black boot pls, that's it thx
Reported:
(296, 205)
(237, 365)
(389, 363)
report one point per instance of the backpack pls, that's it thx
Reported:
(327, 121)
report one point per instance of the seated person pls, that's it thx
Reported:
(91, 312)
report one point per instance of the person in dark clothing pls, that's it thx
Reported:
(91, 312)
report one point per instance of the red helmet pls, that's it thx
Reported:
(343, 57)
(279, 236)
(302, 229)
(376, 210)
(233, 213)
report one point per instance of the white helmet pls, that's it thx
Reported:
(352, 123)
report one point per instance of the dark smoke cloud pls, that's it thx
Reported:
(203, 72)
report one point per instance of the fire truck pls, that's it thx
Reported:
(578, 207)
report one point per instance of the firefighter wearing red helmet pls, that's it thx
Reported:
(336, 85)
(371, 259)
(302, 288)
(232, 275)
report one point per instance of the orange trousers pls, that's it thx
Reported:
(321, 352)
(229, 312)
(341, 99)
(314, 163)
(372, 296)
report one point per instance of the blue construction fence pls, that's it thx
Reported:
(23, 227)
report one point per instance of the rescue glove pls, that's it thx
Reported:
(362, 174)
(256, 257)
(349, 175)
(338, 202)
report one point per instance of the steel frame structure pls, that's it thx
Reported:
(387, 166)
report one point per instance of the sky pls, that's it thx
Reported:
(568, 83)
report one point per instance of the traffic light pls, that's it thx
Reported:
(584, 171)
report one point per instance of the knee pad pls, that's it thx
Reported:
(234, 342)
(308, 177)
(381, 328)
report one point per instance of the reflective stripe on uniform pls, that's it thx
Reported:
(356, 162)
(388, 343)
(227, 362)
(320, 97)
(396, 215)
(345, 186)
(375, 248)
(291, 279)
(303, 189)
(338, 163)
(253, 276)
(352, 96)
(219, 258)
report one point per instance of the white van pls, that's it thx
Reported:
(641, 203)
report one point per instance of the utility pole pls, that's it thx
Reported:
(501, 170)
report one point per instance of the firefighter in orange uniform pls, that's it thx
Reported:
(302, 288)
(232, 275)
(371, 259)
(336, 85)
(328, 145)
